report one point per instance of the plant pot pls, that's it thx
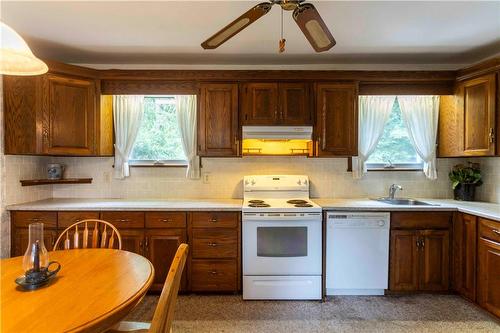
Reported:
(465, 192)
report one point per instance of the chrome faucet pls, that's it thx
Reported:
(392, 190)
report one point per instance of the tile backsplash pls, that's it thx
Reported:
(329, 178)
(490, 190)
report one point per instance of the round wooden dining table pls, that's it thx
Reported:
(95, 289)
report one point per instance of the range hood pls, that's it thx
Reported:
(277, 132)
(277, 140)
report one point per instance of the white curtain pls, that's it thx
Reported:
(420, 115)
(374, 111)
(186, 116)
(127, 114)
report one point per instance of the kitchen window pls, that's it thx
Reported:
(158, 141)
(394, 150)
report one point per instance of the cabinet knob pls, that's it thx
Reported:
(166, 220)
(213, 272)
(212, 244)
(213, 220)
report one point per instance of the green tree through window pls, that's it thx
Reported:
(159, 137)
(395, 145)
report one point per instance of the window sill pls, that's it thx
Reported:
(394, 169)
(156, 164)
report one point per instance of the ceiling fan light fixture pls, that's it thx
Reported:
(225, 34)
(16, 57)
(317, 33)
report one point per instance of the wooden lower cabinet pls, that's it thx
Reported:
(419, 259)
(160, 247)
(488, 261)
(214, 275)
(464, 255)
(133, 240)
(20, 240)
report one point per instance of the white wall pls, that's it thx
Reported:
(329, 178)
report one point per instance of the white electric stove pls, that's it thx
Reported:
(282, 237)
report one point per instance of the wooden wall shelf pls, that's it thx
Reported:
(33, 182)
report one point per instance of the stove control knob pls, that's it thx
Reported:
(381, 223)
(299, 182)
(305, 181)
(246, 182)
(253, 182)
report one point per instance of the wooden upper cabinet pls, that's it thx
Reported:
(218, 120)
(337, 119)
(479, 96)
(294, 104)
(404, 260)
(259, 105)
(58, 113)
(464, 253)
(468, 120)
(69, 117)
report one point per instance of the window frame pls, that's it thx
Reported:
(158, 163)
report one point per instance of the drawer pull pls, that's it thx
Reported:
(35, 219)
(496, 231)
(166, 220)
(122, 220)
(213, 220)
(212, 244)
(213, 272)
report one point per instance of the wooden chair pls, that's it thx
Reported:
(98, 233)
(164, 313)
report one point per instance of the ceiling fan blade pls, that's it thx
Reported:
(237, 25)
(313, 27)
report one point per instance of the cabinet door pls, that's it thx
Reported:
(161, 245)
(337, 119)
(464, 246)
(478, 98)
(488, 278)
(403, 265)
(218, 120)
(259, 104)
(294, 104)
(132, 240)
(434, 255)
(69, 116)
(21, 239)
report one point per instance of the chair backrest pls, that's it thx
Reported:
(164, 313)
(94, 234)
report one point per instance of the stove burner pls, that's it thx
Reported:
(297, 202)
(259, 205)
(255, 201)
(303, 205)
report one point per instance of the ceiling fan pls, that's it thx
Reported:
(305, 15)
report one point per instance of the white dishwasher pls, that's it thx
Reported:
(357, 253)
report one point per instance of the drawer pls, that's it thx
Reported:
(421, 220)
(65, 219)
(23, 219)
(165, 220)
(489, 229)
(124, 219)
(215, 243)
(214, 219)
(214, 275)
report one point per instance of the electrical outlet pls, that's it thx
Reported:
(206, 178)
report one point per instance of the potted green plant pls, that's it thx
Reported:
(464, 180)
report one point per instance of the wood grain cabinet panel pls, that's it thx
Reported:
(215, 243)
(124, 219)
(294, 104)
(259, 105)
(165, 220)
(69, 119)
(160, 247)
(65, 219)
(214, 219)
(21, 239)
(404, 261)
(488, 261)
(214, 275)
(218, 120)
(464, 254)
(25, 218)
(133, 240)
(434, 265)
(337, 119)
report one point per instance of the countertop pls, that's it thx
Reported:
(482, 209)
(56, 204)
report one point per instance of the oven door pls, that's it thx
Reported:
(282, 244)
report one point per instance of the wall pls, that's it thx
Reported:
(328, 179)
(490, 190)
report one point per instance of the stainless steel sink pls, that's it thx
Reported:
(403, 202)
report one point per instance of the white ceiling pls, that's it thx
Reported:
(169, 32)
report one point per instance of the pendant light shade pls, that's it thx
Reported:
(16, 57)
